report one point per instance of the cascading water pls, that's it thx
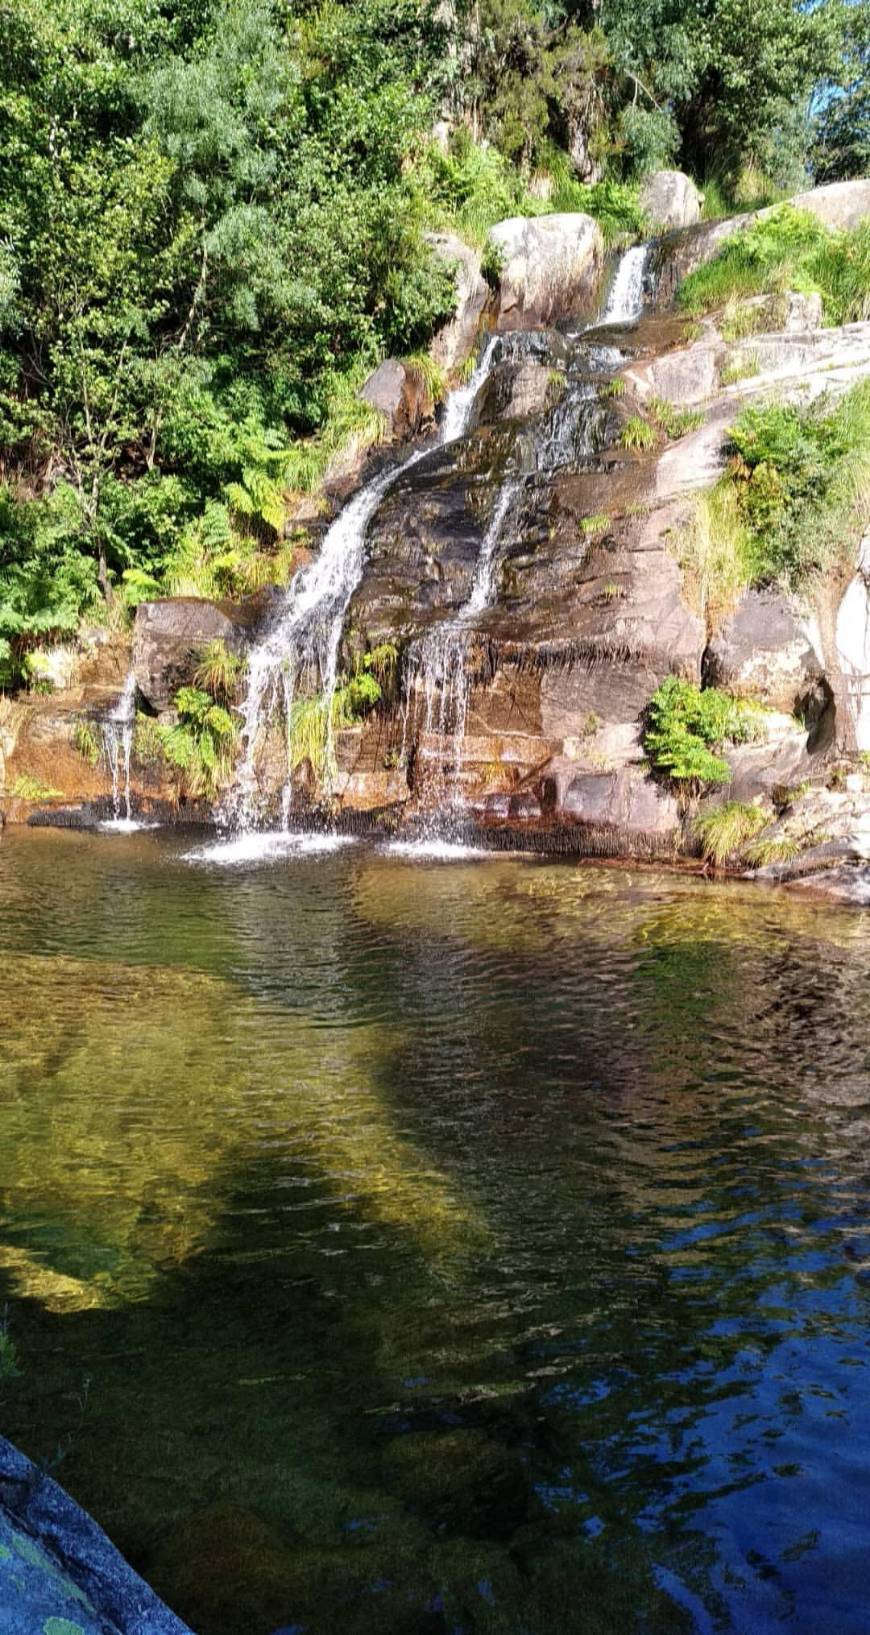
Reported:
(625, 298)
(437, 667)
(302, 644)
(118, 729)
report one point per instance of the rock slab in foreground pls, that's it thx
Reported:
(59, 1573)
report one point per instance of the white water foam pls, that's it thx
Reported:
(267, 847)
(624, 303)
(437, 851)
(126, 826)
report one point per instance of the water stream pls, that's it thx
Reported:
(118, 729)
(301, 646)
(625, 298)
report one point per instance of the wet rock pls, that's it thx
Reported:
(166, 636)
(456, 341)
(765, 650)
(524, 808)
(517, 390)
(550, 268)
(401, 395)
(670, 199)
(58, 1570)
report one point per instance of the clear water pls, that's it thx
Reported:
(408, 1246)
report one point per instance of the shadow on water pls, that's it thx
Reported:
(473, 1248)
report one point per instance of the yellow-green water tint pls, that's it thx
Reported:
(470, 1247)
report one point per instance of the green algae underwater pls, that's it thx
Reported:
(474, 1246)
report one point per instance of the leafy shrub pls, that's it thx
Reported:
(217, 671)
(26, 788)
(201, 744)
(802, 480)
(685, 725)
(87, 743)
(313, 721)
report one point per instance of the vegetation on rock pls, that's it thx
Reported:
(786, 250)
(686, 726)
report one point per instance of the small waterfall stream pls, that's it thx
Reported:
(625, 298)
(302, 645)
(118, 728)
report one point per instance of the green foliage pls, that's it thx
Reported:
(739, 366)
(218, 671)
(87, 743)
(686, 725)
(787, 250)
(660, 419)
(638, 433)
(763, 853)
(725, 830)
(314, 721)
(201, 745)
(801, 476)
(842, 132)
(716, 553)
(26, 788)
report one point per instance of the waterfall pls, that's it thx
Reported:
(457, 410)
(302, 644)
(625, 297)
(438, 665)
(118, 728)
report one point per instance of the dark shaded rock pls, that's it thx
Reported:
(58, 1568)
(517, 390)
(524, 807)
(401, 395)
(763, 651)
(167, 634)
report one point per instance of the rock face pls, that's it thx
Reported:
(853, 648)
(166, 636)
(401, 395)
(59, 1573)
(765, 650)
(670, 199)
(550, 268)
(455, 342)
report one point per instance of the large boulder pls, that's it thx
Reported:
(765, 650)
(550, 268)
(669, 199)
(166, 636)
(399, 392)
(455, 342)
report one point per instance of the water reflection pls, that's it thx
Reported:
(465, 1247)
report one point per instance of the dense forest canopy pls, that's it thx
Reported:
(212, 222)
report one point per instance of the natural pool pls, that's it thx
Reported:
(469, 1246)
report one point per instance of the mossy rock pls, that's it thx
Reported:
(461, 1481)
